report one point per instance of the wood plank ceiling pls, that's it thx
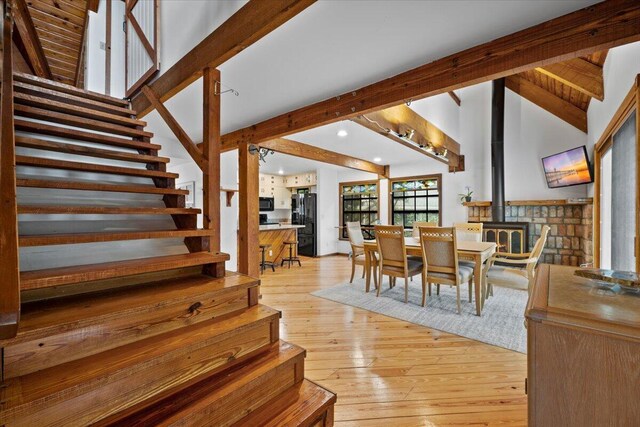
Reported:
(564, 89)
(61, 26)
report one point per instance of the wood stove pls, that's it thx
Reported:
(509, 236)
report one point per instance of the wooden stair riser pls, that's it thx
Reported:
(81, 135)
(82, 150)
(120, 328)
(71, 99)
(105, 210)
(176, 197)
(80, 122)
(61, 87)
(89, 273)
(75, 110)
(102, 237)
(129, 384)
(40, 162)
(223, 400)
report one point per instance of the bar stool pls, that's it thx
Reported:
(291, 258)
(264, 263)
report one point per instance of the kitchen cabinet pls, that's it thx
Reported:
(282, 198)
(301, 180)
(275, 186)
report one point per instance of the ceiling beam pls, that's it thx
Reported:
(92, 5)
(455, 98)
(30, 40)
(579, 74)
(548, 101)
(253, 21)
(597, 27)
(399, 120)
(298, 149)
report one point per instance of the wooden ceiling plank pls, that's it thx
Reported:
(59, 48)
(548, 101)
(597, 27)
(299, 149)
(60, 5)
(60, 24)
(56, 12)
(61, 56)
(253, 21)
(29, 36)
(578, 74)
(57, 38)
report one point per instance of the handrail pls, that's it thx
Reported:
(9, 254)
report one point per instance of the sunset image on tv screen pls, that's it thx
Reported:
(568, 168)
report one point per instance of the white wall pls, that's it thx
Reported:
(95, 56)
(327, 199)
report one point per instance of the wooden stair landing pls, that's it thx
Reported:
(111, 381)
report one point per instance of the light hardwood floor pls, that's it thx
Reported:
(388, 372)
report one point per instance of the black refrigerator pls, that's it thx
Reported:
(304, 212)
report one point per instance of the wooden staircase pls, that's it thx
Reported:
(127, 317)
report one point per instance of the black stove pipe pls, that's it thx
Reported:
(497, 150)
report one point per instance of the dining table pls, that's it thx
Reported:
(478, 252)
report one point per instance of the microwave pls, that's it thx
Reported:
(266, 204)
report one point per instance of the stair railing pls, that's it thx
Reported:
(9, 253)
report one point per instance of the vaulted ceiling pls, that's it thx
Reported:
(565, 89)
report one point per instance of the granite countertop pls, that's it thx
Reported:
(269, 227)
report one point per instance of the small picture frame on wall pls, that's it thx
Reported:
(190, 199)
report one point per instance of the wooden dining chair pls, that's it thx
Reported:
(393, 261)
(356, 240)
(440, 261)
(468, 231)
(417, 224)
(513, 270)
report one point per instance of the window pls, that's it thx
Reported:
(415, 199)
(359, 202)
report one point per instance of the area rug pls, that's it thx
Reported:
(501, 323)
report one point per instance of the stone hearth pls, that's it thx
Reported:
(570, 240)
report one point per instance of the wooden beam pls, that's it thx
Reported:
(579, 74)
(175, 127)
(298, 149)
(597, 27)
(248, 210)
(211, 153)
(30, 40)
(550, 102)
(399, 120)
(92, 5)
(455, 97)
(9, 253)
(253, 21)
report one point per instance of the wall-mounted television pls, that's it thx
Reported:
(568, 168)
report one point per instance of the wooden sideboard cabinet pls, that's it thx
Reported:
(583, 352)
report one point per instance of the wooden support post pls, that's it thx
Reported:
(248, 257)
(211, 154)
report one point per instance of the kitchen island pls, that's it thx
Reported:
(276, 235)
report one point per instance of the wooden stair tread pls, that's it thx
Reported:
(300, 405)
(71, 99)
(81, 122)
(75, 110)
(49, 84)
(37, 279)
(81, 135)
(65, 381)
(91, 167)
(107, 236)
(207, 392)
(91, 186)
(103, 210)
(82, 150)
(42, 318)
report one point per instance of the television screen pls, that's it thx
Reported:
(570, 167)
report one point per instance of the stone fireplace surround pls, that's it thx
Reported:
(570, 240)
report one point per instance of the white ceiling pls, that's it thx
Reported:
(332, 47)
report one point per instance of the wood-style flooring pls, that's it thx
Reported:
(388, 372)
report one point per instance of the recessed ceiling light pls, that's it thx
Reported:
(342, 133)
(281, 172)
(377, 159)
